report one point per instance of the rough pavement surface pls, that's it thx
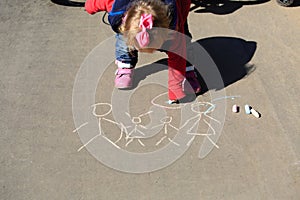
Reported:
(42, 46)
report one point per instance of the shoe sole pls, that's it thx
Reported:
(123, 87)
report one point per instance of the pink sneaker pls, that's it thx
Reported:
(191, 84)
(123, 78)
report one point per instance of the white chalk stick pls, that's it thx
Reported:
(235, 108)
(247, 109)
(255, 113)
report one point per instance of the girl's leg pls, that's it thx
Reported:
(126, 61)
(191, 85)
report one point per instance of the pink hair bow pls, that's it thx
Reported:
(146, 22)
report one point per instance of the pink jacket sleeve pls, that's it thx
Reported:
(94, 6)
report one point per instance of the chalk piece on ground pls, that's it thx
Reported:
(235, 108)
(247, 109)
(255, 113)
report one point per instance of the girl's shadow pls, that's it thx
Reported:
(230, 55)
(221, 7)
(142, 72)
(69, 3)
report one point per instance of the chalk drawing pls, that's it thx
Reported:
(137, 132)
(201, 109)
(166, 122)
(101, 117)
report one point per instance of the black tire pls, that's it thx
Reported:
(285, 2)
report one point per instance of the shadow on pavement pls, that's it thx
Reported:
(142, 72)
(69, 3)
(231, 56)
(296, 3)
(221, 7)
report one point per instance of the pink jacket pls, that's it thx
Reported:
(176, 63)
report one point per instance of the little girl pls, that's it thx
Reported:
(138, 25)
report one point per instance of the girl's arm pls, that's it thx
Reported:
(94, 6)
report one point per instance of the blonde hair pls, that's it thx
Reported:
(160, 14)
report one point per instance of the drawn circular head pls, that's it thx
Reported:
(202, 107)
(136, 120)
(106, 106)
(166, 119)
(165, 105)
(93, 69)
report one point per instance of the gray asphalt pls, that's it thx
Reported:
(42, 46)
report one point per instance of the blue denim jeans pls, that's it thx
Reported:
(124, 55)
(122, 52)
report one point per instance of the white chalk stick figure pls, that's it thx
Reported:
(166, 123)
(101, 117)
(202, 109)
(136, 132)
